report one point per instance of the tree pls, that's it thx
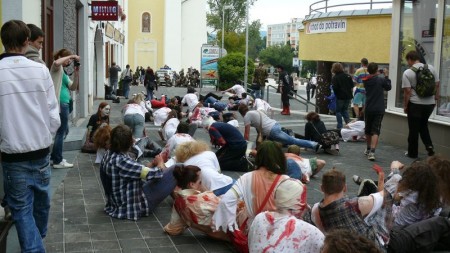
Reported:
(234, 17)
(231, 69)
(310, 66)
(278, 55)
(255, 42)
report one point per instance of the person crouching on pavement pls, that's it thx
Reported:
(129, 187)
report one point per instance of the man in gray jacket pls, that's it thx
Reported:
(35, 44)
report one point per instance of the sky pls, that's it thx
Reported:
(279, 11)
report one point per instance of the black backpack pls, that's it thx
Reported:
(426, 82)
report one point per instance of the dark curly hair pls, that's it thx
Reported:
(441, 168)
(270, 156)
(185, 175)
(344, 241)
(420, 178)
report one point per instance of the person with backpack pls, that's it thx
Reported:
(420, 85)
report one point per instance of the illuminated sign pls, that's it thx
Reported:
(104, 10)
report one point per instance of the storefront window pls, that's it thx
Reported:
(417, 32)
(444, 99)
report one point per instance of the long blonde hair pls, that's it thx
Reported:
(189, 149)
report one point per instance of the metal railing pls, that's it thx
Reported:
(297, 98)
(325, 6)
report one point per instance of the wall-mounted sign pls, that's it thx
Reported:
(104, 10)
(109, 30)
(116, 35)
(327, 26)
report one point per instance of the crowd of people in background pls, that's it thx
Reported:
(266, 208)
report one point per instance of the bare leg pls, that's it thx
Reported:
(320, 165)
(356, 110)
(373, 142)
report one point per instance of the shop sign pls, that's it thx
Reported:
(104, 10)
(327, 26)
(209, 65)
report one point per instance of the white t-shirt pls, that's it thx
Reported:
(355, 129)
(238, 90)
(176, 140)
(409, 81)
(262, 105)
(131, 109)
(191, 100)
(160, 115)
(254, 117)
(273, 232)
(212, 178)
(170, 128)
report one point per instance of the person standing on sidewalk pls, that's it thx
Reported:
(418, 109)
(114, 77)
(63, 86)
(127, 78)
(27, 98)
(359, 98)
(259, 78)
(375, 86)
(342, 87)
(285, 84)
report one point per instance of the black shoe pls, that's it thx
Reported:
(318, 147)
(407, 155)
(430, 150)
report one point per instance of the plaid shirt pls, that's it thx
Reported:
(121, 179)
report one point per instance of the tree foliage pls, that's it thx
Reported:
(232, 68)
(278, 55)
(310, 66)
(234, 17)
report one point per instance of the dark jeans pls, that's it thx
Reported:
(126, 88)
(418, 116)
(57, 152)
(231, 158)
(285, 96)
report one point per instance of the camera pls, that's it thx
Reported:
(76, 63)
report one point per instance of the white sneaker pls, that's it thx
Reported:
(63, 165)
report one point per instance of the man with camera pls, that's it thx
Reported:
(63, 86)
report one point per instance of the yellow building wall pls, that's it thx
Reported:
(142, 49)
(366, 36)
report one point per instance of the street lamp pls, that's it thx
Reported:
(246, 46)
(225, 7)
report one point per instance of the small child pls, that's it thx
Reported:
(122, 178)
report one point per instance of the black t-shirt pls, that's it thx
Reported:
(95, 123)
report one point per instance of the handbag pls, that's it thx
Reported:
(238, 238)
(259, 137)
(328, 138)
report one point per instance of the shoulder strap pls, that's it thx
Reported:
(266, 199)
(315, 128)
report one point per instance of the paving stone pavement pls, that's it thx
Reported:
(78, 224)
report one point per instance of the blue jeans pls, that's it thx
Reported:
(210, 101)
(256, 93)
(149, 93)
(57, 151)
(342, 106)
(126, 88)
(136, 123)
(158, 189)
(27, 187)
(277, 135)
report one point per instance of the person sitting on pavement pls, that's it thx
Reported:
(134, 115)
(127, 196)
(309, 167)
(190, 99)
(169, 127)
(193, 205)
(199, 113)
(102, 142)
(314, 128)
(268, 232)
(197, 153)
(271, 129)
(214, 103)
(101, 118)
(234, 103)
(232, 144)
(179, 137)
(371, 216)
(254, 188)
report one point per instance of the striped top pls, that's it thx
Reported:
(360, 75)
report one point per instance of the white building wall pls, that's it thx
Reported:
(172, 34)
(193, 32)
(29, 11)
